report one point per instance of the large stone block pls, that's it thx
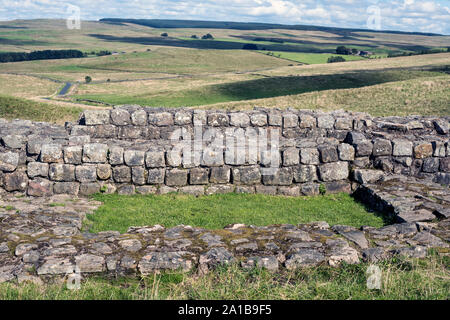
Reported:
(290, 120)
(9, 161)
(120, 117)
(89, 188)
(134, 158)
(198, 176)
(37, 169)
(343, 124)
(364, 148)
(423, 150)
(86, 173)
(122, 174)
(95, 153)
(305, 173)
(364, 176)
(333, 171)
(218, 120)
(104, 171)
(402, 148)
(71, 188)
(15, 181)
(307, 121)
(94, 117)
(328, 154)
(212, 158)
(275, 119)
(281, 177)
(430, 165)
(220, 175)
(139, 175)
(116, 155)
(161, 119)
(445, 164)
(13, 141)
(34, 144)
(239, 119)
(382, 147)
(40, 187)
(291, 157)
(346, 152)
(131, 132)
(258, 119)
(183, 118)
(139, 118)
(309, 156)
(73, 154)
(325, 121)
(176, 177)
(61, 172)
(246, 175)
(51, 153)
(155, 159)
(156, 176)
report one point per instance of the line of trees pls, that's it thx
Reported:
(40, 55)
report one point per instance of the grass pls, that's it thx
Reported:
(14, 108)
(402, 279)
(311, 58)
(216, 211)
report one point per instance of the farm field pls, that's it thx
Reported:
(178, 70)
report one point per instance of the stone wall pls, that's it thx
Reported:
(146, 150)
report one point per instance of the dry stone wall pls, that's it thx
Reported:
(146, 150)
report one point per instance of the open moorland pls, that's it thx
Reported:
(288, 69)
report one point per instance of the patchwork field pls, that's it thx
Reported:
(288, 69)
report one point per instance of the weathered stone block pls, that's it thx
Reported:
(220, 175)
(71, 188)
(161, 119)
(176, 177)
(291, 157)
(259, 119)
(104, 171)
(9, 161)
(139, 118)
(328, 154)
(40, 187)
(199, 118)
(37, 169)
(307, 121)
(62, 172)
(343, 124)
(439, 149)
(120, 117)
(131, 132)
(219, 189)
(79, 140)
(423, 150)
(89, 188)
(212, 158)
(73, 154)
(290, 120)
(94, 117)
(402, 148)
(218, 120)
(122, 174)
(267, 190)
(333, 171)
(246, 175)
(430, 165)
(305, 173)
(289, 191)
(325, 122)
(15, 181)
(34, 144)
(363, 148)
(309, 156)
(198, 176)
(13, 141)
(346, 152)
(275, 119)
(134, 158)
(382, 147)
(281, 177)
(441, 126)
(193, 190)
(174, 158)
(139, 175)
(354, 137)
(146, 190)
(310, 189)
(51, 153)
(95, 153)
(367, 176)
(338, 186)
(445, 164)
(86, 173)
(155, 159)
(239, 119)
(156, 176)
(183, 118)
(116, 155)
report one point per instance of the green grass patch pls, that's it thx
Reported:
(402, 279)
(216, 211)
(310, 58)
(15, 108)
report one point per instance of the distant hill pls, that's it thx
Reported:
(199, 24)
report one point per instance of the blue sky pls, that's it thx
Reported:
(405, 15)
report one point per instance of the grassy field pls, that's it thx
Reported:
(17, 108)
(402, 279)
(309, 58)
(216, 211)
(181, 71)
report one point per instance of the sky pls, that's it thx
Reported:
(403, 15)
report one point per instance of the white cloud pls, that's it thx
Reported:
(405, 15)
